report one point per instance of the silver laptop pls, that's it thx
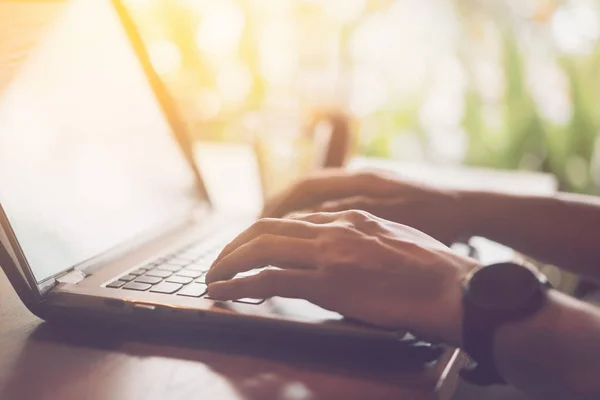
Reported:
(103, 212)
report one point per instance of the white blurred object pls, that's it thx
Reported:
(518, 182)
(231, 175)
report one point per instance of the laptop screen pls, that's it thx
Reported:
(88, 160)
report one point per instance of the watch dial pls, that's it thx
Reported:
(503, 286)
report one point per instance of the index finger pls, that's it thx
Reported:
(269, 226)
(270, 283)
(278, 251)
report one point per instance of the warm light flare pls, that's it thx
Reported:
(235, 83)
(165, 56)
(220, 30)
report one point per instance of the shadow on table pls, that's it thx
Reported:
(330, 352)
(69, 361)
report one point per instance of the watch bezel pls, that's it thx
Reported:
(493, 300)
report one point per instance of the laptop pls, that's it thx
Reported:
(103, 211)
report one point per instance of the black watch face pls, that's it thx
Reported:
(503, 286)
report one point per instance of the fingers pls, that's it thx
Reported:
(267, 226)
(365, 203)
(340, 218)
(335, 184)
(270, 283)
(265, 250)
(351, 203)
(315, 218)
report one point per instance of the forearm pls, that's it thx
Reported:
(561, 229)
(554, 355)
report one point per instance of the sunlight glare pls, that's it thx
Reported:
(208, 104)
(220, 30)
(370, 91)
(344, 10)
(235, 83)
(165, 57)
(278, 59)
(576, 27)
(135, 4)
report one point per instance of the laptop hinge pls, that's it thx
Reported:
(73, 277)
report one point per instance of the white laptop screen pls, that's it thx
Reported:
(87, 158)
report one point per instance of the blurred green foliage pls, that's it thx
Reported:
(520, 136)
(525, 134)
(511, 131)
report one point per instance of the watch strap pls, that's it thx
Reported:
(479, 344)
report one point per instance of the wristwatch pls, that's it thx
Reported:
(494, 295)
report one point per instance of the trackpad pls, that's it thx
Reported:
(301, 310)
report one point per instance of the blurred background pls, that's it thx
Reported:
(509, 84)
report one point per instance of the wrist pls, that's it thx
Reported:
(554, 353)
(483, 212)
(470, 204)
(548, 316)
(450, 308)
(526, 341)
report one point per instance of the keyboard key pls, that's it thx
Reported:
(210, 254)
(178, 261)
(116, 284)
(209, 259)
(179, 279)
(128, 278)
(166, 288)
(202, 279)
(159, 273)
(140, 287)
(193, 290)
(138, 272)
(249, 301)
(199, 267)
(190, 274)
(167, 267)
(152, 280)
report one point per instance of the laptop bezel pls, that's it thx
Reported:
(166, 101)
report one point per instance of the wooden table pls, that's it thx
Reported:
(41, 361)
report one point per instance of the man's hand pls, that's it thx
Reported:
(354, 263)
(434, 211)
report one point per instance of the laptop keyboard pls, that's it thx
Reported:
(181, 273)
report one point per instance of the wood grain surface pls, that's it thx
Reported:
(42, 361)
